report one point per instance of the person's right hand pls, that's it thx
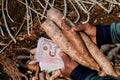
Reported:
(69, 64)
(89, 29)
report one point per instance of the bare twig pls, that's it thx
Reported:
(47, 2)
(113, 2)
(4, 18)
(82, 6)
(23, 57)
(32, 9)
(65, 8)
(80, 3)
(12, 40)
(5, 46)
(99, 4)
(91, 7)
(78, 14)
(40, 4)
(27, 17)
(2, 33)
(31, 20)
(88, 18)
(7, 11)
(53, 3)
(2, 44)
(88, 2)
(36, 14)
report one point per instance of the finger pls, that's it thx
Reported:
(62, 70)
(64, 57)
(79, 28)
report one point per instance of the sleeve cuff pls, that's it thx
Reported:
(80, 73)
(103, 35)
(115, 32)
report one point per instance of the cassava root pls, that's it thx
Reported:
(103, 62)
(99, 57)
(77, 42)
(57, 36)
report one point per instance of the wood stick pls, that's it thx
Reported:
(103, 62)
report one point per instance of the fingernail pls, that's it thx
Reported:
(72, 30)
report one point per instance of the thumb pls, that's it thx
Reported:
(64, 57)
(69, 65)
(79, 28)
(66, 60)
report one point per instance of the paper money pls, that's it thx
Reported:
(47, 55)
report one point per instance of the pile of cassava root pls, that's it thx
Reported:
(78, 46)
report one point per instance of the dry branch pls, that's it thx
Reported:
(10, 68)
(5, 22)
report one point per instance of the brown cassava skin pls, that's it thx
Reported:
(103, 62)
(99, 56)
(73, 37)
(77, 42)
(57, 36)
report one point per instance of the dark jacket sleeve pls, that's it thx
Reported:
(81, 72)
(106, 34)
(103, 35)
(84, 73)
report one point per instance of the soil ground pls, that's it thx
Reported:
(24, 41)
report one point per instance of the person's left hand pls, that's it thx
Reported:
(69, 65)
(89, 29)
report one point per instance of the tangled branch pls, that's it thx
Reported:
(30, 9)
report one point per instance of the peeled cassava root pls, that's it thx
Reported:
(103, 62)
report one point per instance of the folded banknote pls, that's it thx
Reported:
(47, 55)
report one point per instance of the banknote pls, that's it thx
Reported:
(47, 55)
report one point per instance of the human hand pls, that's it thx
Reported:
(89, 29)
(69, 65)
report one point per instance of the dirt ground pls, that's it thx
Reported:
(26, 42)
